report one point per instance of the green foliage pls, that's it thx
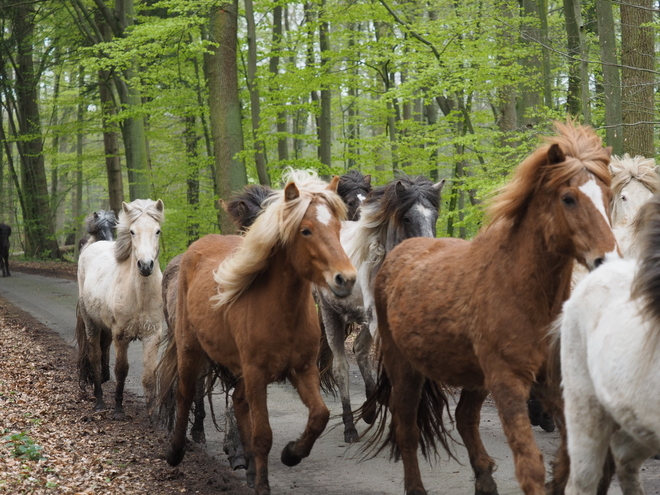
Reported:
(21, 446)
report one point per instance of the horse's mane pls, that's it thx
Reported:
(123, 244)
(94, 220)
(583, 149)
(646, 285)
(625, 169)
(274, 228)
(383, 205)
(351, 181)
(245, 206)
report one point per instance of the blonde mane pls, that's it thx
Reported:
(273, 229)
(583, 149)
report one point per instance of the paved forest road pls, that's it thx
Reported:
(332, 468)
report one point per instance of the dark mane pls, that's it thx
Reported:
(646, 286)
(95, 221)
(352, 181)
(583, 149)
(245, 206)
(396, 197)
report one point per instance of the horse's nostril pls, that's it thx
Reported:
(151, 265)
(598, 262)
(340, 280)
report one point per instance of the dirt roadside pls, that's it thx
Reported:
(50, 443)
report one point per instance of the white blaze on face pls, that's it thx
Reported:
(323, 214)
(592, 190)
(426, 212)
(360, 197)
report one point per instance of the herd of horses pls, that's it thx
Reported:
(484, 316)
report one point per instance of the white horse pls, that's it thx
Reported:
(610, 349)
(119, 297)
(406, 207)
(634, 182)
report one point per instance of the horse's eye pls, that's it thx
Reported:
(158, 232)
(406, 220)
(623, 197)
(132, 232)
(306, 232)
(568, 200)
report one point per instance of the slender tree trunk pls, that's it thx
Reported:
(78, 213)
(611, 78)
(224, 103)
(325, 129)
(282, 141)
(192, 180)
(111, 143)
(255, 103)
(637, 58)
(40, 235)
(530, 96)
(507, 117)
(578, 99)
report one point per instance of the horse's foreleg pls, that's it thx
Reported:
(362, 348)
(308, 385)
(510, 395)
(106, 342)
(241, 412)
(468, 415)
(149, 361)
(629, 456)
(197, 429)
(95, 361)
(189, 363)
(334, 326)
(121, 371)
(262, 435)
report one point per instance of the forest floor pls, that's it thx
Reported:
(50, 443)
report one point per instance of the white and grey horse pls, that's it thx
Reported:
(119, 297)
(404, 208)
(610, 349)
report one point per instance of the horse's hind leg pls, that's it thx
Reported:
(95, 361)
(629, 456)
(334, 326)
(307, 383)
(197, 429)
(106, 341)
(121, 372)
(468, 414)
(362, 348)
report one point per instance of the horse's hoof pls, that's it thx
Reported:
(251, 476)
(173, 457)
(486, 487)
(118, 415)
(351, 435)
(100, 406)
(289, 457)
(369, 415)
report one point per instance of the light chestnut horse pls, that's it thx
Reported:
(473, 314)
(246, 303)
(119, 301)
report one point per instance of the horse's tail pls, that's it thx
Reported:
(324, 362)
(430, 412)
(646, 286)
(167, 374)
(85, 370)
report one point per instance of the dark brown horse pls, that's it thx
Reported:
(353, 189)
(227, 284)
(474, 314)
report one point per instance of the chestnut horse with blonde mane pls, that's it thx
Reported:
(226, 286)
(473, 314)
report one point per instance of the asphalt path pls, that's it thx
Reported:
(333, 467)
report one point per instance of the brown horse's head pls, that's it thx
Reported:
(315, 249)
(566, 185)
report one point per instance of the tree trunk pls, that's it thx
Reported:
(78, 212)
(111, 144)
(282, 141)
(325, 129)
(224, 103)
(637, 59)
(530, 96)
(192, 181)
(611, 78)
(39, 233)
(255, 103)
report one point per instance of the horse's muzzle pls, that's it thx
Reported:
(145, 267)
(341, 285)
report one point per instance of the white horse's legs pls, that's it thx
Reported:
(149, 361)
(95, 360)
(334, 327)
(629, 456)
(362, 348)
(121, 371)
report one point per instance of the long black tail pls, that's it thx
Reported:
(430, 412)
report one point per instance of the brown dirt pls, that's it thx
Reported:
(43, 413)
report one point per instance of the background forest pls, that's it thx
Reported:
(105, 101)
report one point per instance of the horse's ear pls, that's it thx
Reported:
(291, 192)
(367, 179)
(439, 185)
(125, 207)
(556, 154)
(222, 204)
(334, 184)
(159, 205)
(608, 150)
(400, 187)
(96, 215)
